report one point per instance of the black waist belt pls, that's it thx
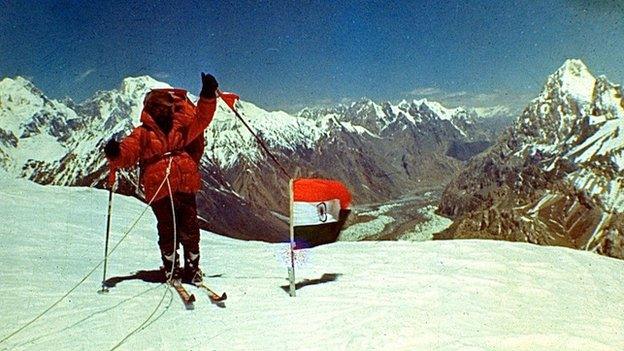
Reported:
(155, 159)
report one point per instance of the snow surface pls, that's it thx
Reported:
(432, 295)
(42, 147)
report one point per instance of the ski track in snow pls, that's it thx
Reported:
(432, 295)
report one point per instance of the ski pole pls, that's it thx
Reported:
(111, 183)
(260, 142)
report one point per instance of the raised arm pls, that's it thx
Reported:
(206, 107)
(204, 113)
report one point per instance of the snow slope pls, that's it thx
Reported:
(442, 295)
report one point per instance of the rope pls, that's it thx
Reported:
(145, 322)
(173, 216)
(261, 142)
(51, 306)
(87, 317)
(54, 304)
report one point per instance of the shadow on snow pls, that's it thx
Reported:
(325, 278)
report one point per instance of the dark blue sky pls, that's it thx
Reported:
(284, 55)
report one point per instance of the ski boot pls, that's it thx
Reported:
(168, 263)
(191, 268)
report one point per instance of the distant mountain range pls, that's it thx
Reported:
(380, 151)
(555, 177)
(552, 178)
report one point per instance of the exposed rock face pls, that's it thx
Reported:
(380, 152)
(554, 178)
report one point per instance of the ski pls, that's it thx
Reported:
(214, 297)
(187, 298)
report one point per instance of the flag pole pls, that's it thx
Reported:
(291, 269)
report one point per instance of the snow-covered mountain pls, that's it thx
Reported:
(492, 111)
(32, 127)
(50, 142)
(379, 151)
(444, 295)
(555, 177)
(383, 119)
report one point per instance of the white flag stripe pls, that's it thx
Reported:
(315, 213)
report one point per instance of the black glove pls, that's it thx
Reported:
(112, 149)
(209, 86)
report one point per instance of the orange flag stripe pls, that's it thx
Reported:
(318, 190)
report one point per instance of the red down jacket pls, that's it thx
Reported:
(148, 145)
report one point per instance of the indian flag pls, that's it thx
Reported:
(320, 208)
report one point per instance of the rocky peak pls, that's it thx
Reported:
(122, 105)
(385, 117)
(131, 89)
(403, 104)
(315, 113)
(368, 114)
(572, 80)
(133, 86)
(554, 178)
(18, 82)
(557, 118)
(431, 108)
(20, 91)
(608, 99)
(25, 111)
